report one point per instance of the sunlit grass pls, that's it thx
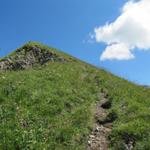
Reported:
(51, 107)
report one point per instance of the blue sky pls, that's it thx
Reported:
(66, 24)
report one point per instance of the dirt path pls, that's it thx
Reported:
(98, 139)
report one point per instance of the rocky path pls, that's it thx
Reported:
(98, 139)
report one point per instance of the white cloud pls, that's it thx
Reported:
(118, 51)
(129, 31)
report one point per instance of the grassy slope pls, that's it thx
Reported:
(52, 107)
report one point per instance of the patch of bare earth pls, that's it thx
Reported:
(98, 138)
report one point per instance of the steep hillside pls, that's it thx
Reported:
(53, 101)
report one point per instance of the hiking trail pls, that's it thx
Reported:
(98, 138)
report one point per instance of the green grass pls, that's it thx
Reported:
(51, 107)
(131, 104)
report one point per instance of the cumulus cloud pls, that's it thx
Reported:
(129, 31)
(118, 51)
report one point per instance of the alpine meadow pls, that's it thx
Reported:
(50, 100)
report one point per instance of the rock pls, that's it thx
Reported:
(89, 143)
(92, 136)
(29, 56)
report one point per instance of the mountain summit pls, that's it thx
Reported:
(31, 54)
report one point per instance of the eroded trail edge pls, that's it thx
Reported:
(98, 139)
